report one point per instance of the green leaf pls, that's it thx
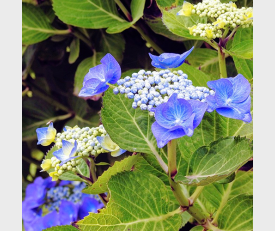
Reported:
(62, 228)
(179, 24)
(244, 67)
(166, 3)
(197, 228)
(113, 44)
(242, 34)
(69, 175)
(128, 127)
(83, 69)
(243, 49)
(131, 206)
(84, 115)
(237, 214)
(100, 186)
(213, 194)
(74, 50)
(205, 60)
(96, 14)
(83, 168)
(35, 25)
(49, 154)
(156, 24)
(212, 127)
(216, 161)
(198, 77)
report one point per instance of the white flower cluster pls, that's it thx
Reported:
(87, 142)
(221, 16)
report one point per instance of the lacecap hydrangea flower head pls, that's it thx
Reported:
(62, 203)
(75, 144)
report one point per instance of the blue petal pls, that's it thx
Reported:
(223, 90)
(97, 72)
(67, 212)
(182, 58)
(212, 103)
(241, 88)
(74, 149)
(41, 134)
(51, 219)
(199, 109)
(168, 59)
(60, 155)
(67, 147)
(64, 182)
(68, 159)
(173, 113)
(30, 209)
(89, 204)
(88, 92)
(118, 152)
(113, 70)
(232, 113)
(163, 135)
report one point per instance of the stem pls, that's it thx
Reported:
(82, 37)
(148, 39)
(225, 32)
(177, 188)
(88, 180)
(223, 202)
(62, 32)
(93, 176)
(196, 194)
(124, 10)
(213, 44)
(210, 226)
(172, 158)
(222, 63)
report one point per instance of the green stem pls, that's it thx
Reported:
(148, 39)
(177, 188)
(93, 176)
(210, 226)
(82, 37)
(222, 63)
(213, 44)
(223, 202)
(124, 10)
(225, 32)
(172, 158)
(196, 194)
(62, 32)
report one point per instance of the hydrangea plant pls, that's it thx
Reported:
(175, 137)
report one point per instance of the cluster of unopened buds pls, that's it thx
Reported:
(150, 89)
(219, 16)
(72, 145)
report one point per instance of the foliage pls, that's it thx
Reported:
(194, 182)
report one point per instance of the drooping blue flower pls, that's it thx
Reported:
(67, 152)
(176, 118)
(67, 212)
(232, 98)
(169, 60)
(89, 204)
(46, 135)
(97, 79)
(107, 144)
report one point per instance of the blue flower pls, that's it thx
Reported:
(176, 118)
(46, 135)
(232, 98)
(64, 205)
(67, 152)
(107, 144)
(97, 79)
(169, 60)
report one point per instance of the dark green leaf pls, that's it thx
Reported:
(35, 25)
(244, 67)
(74, 50)
(243, 49)
(62, 228)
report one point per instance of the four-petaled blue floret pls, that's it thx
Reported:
(67, 152)
(97, 79)
(176, 118)
(169, 60)
(232, 98)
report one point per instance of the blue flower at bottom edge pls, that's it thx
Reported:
(67, 152)
(107, 144)
(97, 79)
(232, 98)
(46, 135)
(169, 60)
(176, 118)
